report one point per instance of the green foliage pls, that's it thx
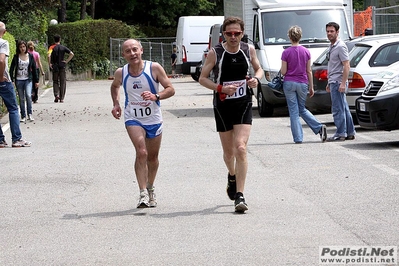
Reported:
(101, 69)
(29, 25)
(11, 41)
(162, 14)
(151, 31)
(358, 5)
(73, 11)
(89, 40)
(27, 6)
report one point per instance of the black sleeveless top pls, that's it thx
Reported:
(232, 67)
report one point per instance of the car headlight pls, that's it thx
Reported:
(390, 84)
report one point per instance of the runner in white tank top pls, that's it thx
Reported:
(142, 113)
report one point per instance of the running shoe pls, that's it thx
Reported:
(152, 197)
(231, 186)
(143, 200)
(240, 205)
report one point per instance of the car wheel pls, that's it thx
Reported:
(265, 109)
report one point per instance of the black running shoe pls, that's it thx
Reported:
(231, 186)
(240, 205)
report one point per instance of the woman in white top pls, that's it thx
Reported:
(23, 73)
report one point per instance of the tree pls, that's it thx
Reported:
(62, 12)
(92, 8)
(157, 13)
(27, 6)
(83, 9)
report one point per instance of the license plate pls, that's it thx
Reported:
(362, 107)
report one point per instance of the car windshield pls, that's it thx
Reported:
(356, 54)
(276, 25)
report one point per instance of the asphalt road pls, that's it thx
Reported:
(70, 199)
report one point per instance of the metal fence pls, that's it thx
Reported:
(385, 20)
(154, 49)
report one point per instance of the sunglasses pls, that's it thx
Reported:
(233, 33)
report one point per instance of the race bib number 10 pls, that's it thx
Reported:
(241, 88)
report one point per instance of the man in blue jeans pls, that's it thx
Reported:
(7, 92)
(338, 72)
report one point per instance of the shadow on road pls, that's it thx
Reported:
(139, 212)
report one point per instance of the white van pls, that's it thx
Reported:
(192, 39)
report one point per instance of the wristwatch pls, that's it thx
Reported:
(157, 95)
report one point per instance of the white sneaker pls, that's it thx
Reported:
(21, 143)
(152, 198)
(23, 119)
(143, 200)
(30, 118)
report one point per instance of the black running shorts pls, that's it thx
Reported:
(230, 113)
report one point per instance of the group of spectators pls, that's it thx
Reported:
(25, 70)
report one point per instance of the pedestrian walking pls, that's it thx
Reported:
(58, 67)
(142, 113)
(7, 93)
(23, 74)
(232, 100)
(39, 70)
(298, 81)
(338, 72)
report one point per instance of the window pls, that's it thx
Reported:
(386, 55)
(357, 53)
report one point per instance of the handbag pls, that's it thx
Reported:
(277, 83)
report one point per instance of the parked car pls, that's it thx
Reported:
(368, 55)
(378, 107)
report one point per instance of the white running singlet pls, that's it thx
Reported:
(145, 112)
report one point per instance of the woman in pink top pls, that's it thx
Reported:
(39, 69)
(298, 81)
